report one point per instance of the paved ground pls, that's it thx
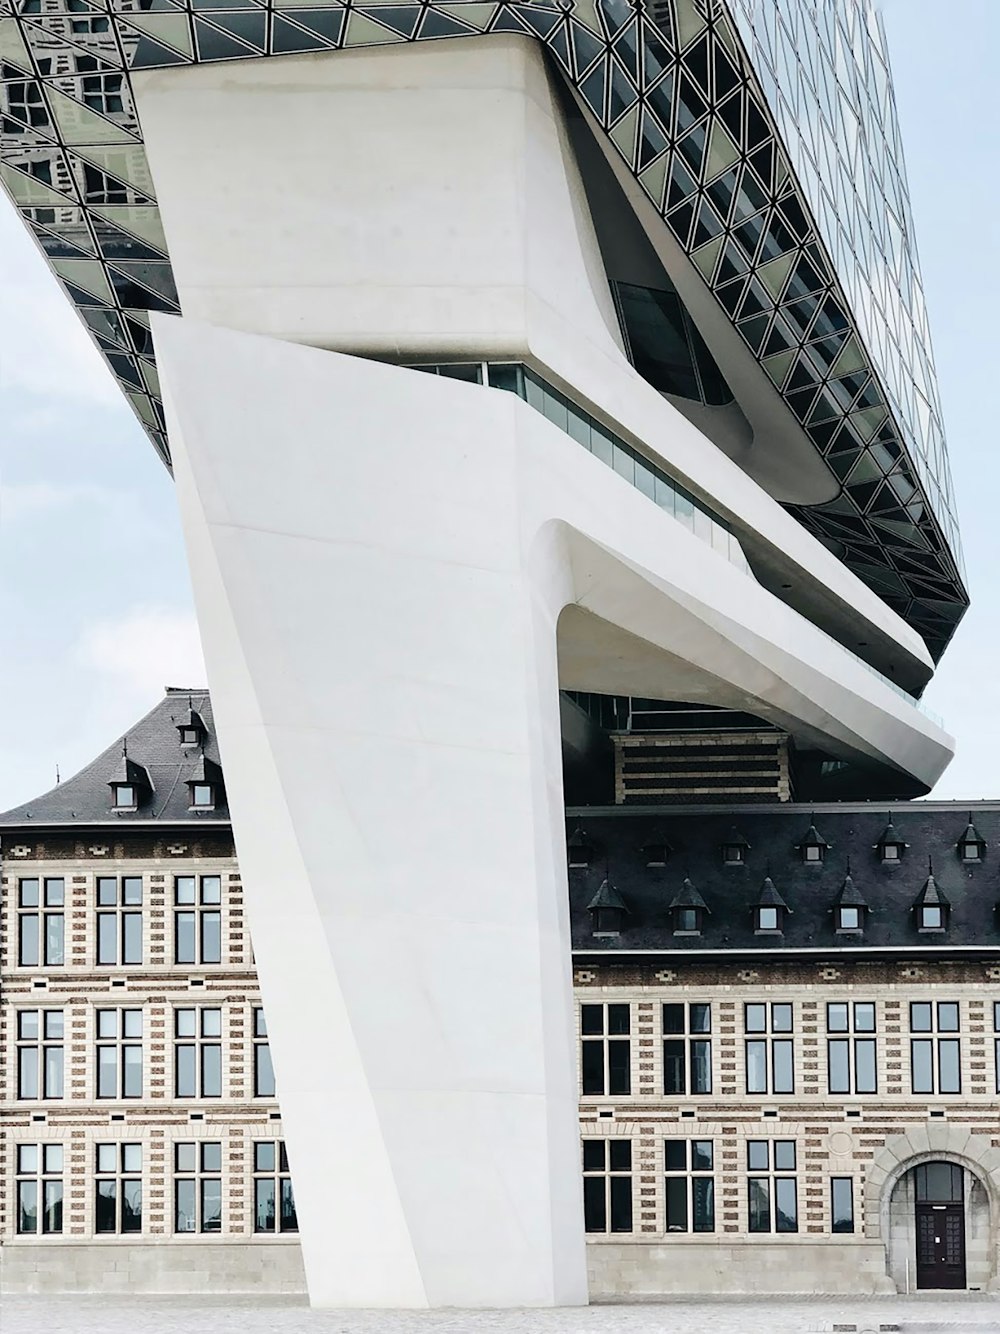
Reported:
(966, 1314)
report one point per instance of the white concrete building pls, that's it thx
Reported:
(680, 445)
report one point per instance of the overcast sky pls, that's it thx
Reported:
(95, 604)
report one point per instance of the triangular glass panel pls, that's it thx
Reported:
(586, 47)
(129, 293)
(774, 275)
(653, 180)
(655, 56)
(153, 55)
(680, 222)
(60, 247)
(652, 142)
(30, 192)
(682, 183)
(661, 102)
(541, 21)
(690, 22)
(81, 298)
(852, 358)
(592, 89)
(627, 51)
(125, 162)
(707, 256)
(692, 148)
(214, 40)
(436, 24)
(691, 105)
(762, 162)
(726, 76)
(803, 376)
(79, 125)
(616, 14)
(731, 295)
(400, 18)
(585, 11)
(477, 16)
(755, 302)
(623, 95)
(778, 339)
(559, 46)
(733, 262)
(323, 23)
(157, 276)
(166, 29)
(88, 275)
(624, 134)
(507, 21)
(287, 38)
(707, 226)
(105, 324)
(696, 64)
(722, 152)
(360, 31)
(12, 45)
(777, 367)
(116, 244)
(731, 115)
(213, 44)
(754, 329)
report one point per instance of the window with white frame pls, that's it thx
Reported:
(772, 1186)
(852, 1065)
(41, 922)
(935, 1061)
(688, 1166)
(198, 1186)
(40, 1054)
(606, 1049)
(687, 1048)
(39, 1188)
(119, 919)
(263, 1071)
(607, 1185)
(198, 919)
(119, 1053)
(770, 1059)
(198, 1052)
(273, 1200)
(118, 1188)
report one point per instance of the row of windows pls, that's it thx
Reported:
(197, 920)
(689, 1187)
(198, 1204)
(197, 1053)
(852, 1059)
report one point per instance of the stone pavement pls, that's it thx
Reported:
(966, 1313)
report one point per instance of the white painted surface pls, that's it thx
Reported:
(424, 201)
(380, 558)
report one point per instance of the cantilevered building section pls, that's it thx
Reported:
(498, 350)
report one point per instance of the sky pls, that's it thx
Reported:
(95, 603)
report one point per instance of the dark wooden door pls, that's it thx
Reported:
(940, 1245)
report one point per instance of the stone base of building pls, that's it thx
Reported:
(636, 1270)
(152, 1268)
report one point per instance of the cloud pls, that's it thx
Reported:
(44, 348)
(145, 649)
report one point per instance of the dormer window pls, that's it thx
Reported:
(768, 919)
(688, 910)
(971, 848)
(931, 917)
(203, 795)
(769, 910)
(205, 785)
(190, 736)
(191, 729)
(656, 853)
(890, 846)
(580, 850)
(813, 847)
(735, 849)
(849, 918)
(124, 796)
(891, 852)
(608, 910)
(129, 784)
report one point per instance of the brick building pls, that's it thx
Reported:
(789, 1029)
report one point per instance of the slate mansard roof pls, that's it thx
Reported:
(152, 746)
(851, 873)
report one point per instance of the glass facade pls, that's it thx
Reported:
(755, 128)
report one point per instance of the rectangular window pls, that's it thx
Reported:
(41, 923)
(690, 1185)
(40, 1054)
(101, 92)
(118, 1188)
(772, 1189)
(770, 1060)
(40, 1188)
(119, 1053)
(198, 1186)
(198, 919)
(851, 1061)
(935, 1061)
(606, 1051)
(274, 1203)
(687, 1057)
(607, 1185)
(198, 1052)
(841, 1204)
(263, 1071)
(119, 919)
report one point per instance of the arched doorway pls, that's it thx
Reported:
(939, 1190)
(939, 1227)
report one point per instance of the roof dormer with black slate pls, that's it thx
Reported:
(147, 776)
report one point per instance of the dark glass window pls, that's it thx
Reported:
(607, 1185)
(605, 1057)
(841, 1204)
